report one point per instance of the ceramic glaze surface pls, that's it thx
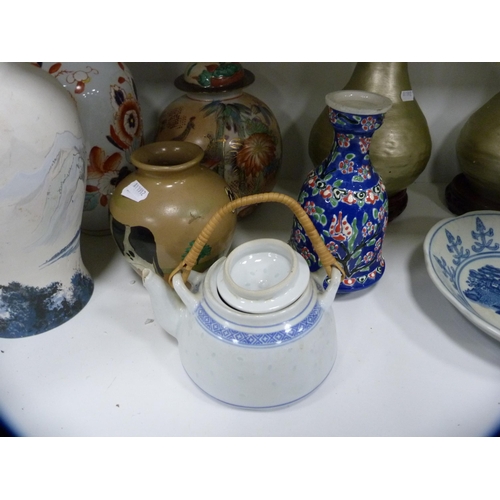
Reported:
(111, 118)
(158, 211)
(214, 75)
(345, 197)
(268, 269)
(238, 132)
(250, 360)
(478, 154)
(463, 260)
(400, 149)
(257, 281)
(43, 281)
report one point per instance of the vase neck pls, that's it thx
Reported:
(357, 126)
(347, 151)
(358, 142)
(388, 79)
(164, 171)
(167, 157)
(215, 96)
(350, 150)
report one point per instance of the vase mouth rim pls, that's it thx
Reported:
(358, 102)
(167, 155)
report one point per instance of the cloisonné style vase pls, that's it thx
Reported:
(238, 132)
(43, 281)
(158, 211)
(111, 119)
(345, 196)
(401, 149)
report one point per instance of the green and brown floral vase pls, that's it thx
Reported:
(344, 196)
(238, 132)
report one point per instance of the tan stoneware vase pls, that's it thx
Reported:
(478, 153)
(238, 132)
(158, 211)
(399, 150)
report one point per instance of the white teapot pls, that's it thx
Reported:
(257, 330)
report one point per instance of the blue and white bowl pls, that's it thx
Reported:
(462, 255)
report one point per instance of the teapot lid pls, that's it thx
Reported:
(262, 276)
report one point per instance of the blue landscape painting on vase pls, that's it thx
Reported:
(29, 310)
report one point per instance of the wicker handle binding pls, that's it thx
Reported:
(326, 258)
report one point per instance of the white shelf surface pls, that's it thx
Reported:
(408, 363)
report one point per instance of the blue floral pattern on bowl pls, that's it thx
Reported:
(463, 260)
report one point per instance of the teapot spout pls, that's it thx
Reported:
(167, 307)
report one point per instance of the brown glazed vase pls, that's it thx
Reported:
(158, 211)
(401, 148)
(478, 153)
(238, 132)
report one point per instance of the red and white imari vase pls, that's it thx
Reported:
(345, 197)
(111, 119)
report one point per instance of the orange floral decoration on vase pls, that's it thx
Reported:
(238, 133)
(110, 113)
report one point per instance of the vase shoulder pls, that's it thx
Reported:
(388, 79)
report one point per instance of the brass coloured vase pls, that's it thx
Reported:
(477, 187)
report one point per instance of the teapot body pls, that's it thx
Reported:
(256, 330)
(257, 361)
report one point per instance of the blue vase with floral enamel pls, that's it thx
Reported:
(344, 197)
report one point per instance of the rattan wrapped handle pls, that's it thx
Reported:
(324, 255)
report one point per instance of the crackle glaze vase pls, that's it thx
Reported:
(158, 211)
(238, 132)
(110, 115)
(43, 281)
(344, 196)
